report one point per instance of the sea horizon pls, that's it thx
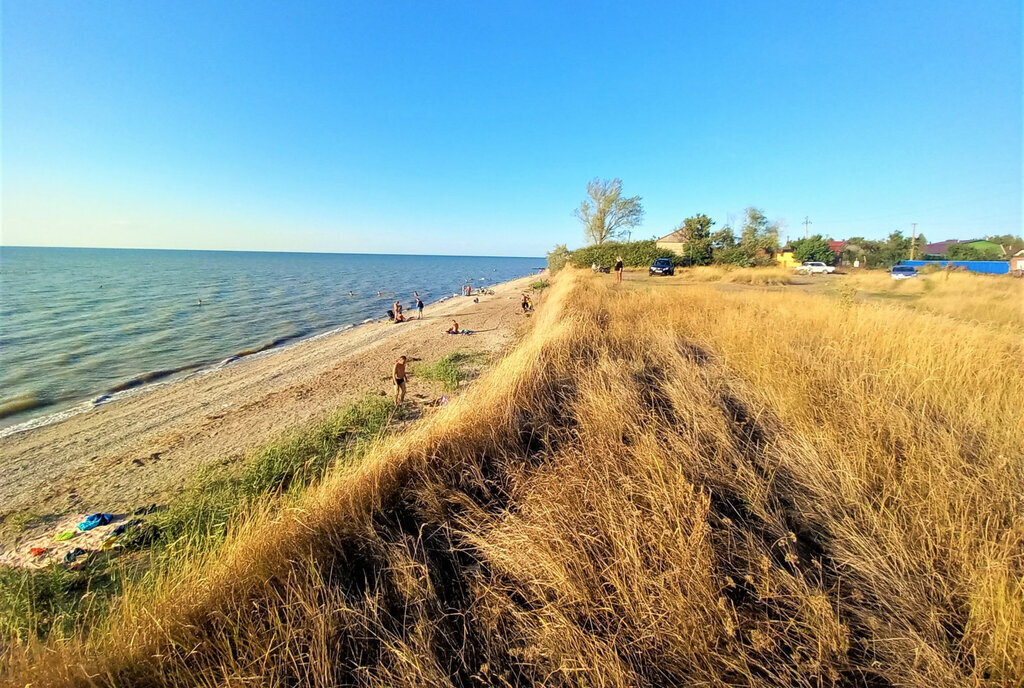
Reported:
(239, 250)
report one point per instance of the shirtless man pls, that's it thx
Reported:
(454, 329)
(398, 374)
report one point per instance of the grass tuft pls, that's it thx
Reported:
(451, 369)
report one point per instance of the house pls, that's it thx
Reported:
(940, 248)
(1017, 263)
(784, 257)
(675, 242)
(837, 248)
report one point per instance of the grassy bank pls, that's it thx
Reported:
(58, 603)
(744, 488)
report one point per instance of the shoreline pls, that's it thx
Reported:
(152, 380)
(143, 447)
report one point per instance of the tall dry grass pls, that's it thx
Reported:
(730, 274)
(750, 488)
(996, 300)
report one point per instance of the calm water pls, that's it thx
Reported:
(79, 324)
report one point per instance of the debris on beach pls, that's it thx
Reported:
(74, 554)
(93, 520)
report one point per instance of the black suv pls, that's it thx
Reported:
(661, 266)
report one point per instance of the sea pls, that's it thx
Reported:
(80, 327)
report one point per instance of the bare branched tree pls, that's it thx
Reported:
(606, 214)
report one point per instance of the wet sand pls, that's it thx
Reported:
(144, 448)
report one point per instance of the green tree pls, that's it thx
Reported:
(697, 246)
(968, 252)
(1011, 243)
(759, 238)
(813, 248)
(606, 214)
(894, 249)
(723, 238)
(557, 258)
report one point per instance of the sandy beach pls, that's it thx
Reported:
(143, 449)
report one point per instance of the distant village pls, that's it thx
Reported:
(996, 254)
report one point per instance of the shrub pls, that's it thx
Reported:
(557, 258)
(636, 254)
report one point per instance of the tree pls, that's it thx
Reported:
(723, 238)
(759, 238)
(557, 258)
(606, 214)
(697, 246)
(1010, 243)
(894, 249)
(813, 248)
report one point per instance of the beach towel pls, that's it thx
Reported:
(93, 520)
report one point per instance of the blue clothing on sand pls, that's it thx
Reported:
(93, 520)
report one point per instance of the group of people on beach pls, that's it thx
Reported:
(396, 315)
(398, 371)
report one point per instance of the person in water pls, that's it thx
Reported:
(398, 374)
(419, 305)
(618, 270)
(454, 329)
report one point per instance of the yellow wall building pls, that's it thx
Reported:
(675, 242)
(785, 259)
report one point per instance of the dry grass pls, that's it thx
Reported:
(745, 488)
(733, 275)
(996, 300)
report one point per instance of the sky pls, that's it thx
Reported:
(472, 128)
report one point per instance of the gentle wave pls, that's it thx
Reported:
(83, 327)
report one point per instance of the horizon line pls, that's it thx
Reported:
(239, 250)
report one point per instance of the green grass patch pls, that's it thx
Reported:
(451, 369)
(540, 285)
(57, 600)
(22, 520)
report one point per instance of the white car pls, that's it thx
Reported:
(813, 267)
(902, 272)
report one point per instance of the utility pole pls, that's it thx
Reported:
(913, 239)
(807, 233)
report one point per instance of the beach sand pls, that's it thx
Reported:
(144, 448)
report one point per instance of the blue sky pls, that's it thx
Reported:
(473, 127)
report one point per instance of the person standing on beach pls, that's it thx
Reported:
(618, 270)
(419, 305)
(398, 373)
